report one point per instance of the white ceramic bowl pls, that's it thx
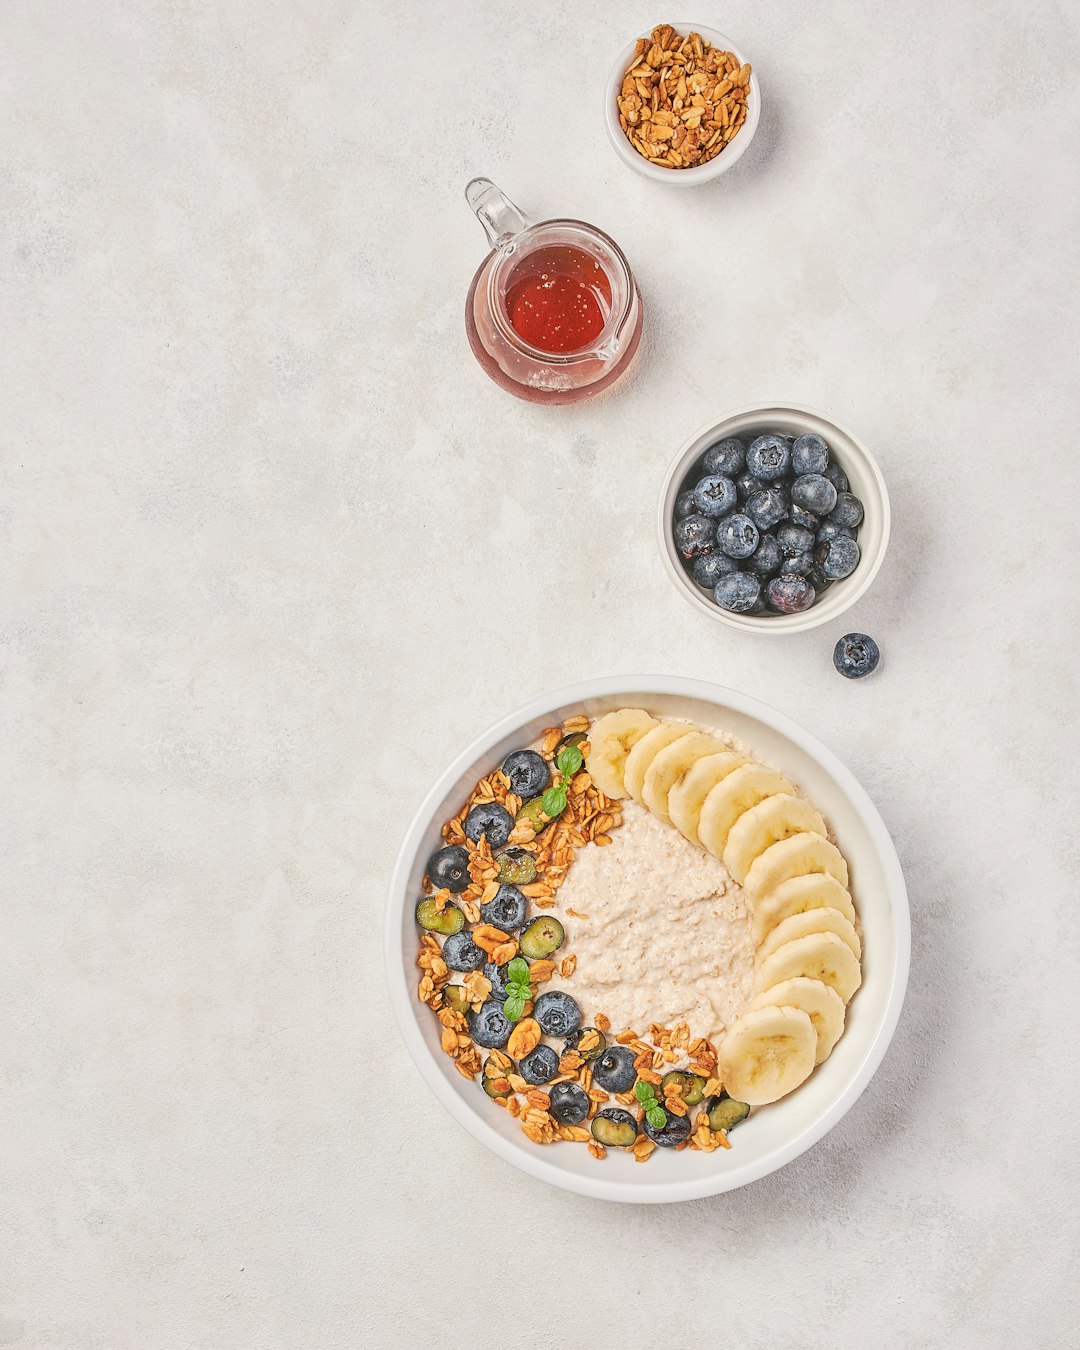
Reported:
(773, 1135)
(867, 484)
(700, 173)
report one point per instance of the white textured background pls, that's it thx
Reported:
(274, 549)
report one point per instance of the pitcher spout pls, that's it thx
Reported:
(501, 219)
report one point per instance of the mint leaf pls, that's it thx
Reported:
(513, 1007)
(569, 759)
(554, 801)
(643, 1092)
(517, 970)
(656, 1116)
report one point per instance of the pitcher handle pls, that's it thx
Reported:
(501, 219)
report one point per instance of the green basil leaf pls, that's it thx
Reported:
(569, 760)
(554, 801)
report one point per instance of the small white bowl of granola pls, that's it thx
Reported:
(671, 143)
(647, 920)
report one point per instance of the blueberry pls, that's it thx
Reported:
(674, 1131)
(838, 557)
(801, 516)
(739, 593)
(799, 564)
(814, 492)
(569, 1103)
(847, 511)
(856, 655)
(790, 595)
(794, 539)
(768, 506)
(684, 505)
(491, 819)
(505, 910)
(746, 485)
(557, 1013)
(528, 773)
(448, 869)
(710, 567)
(715, 496)
(495, 975)
(829, 529)
(837, 477)
(490, 1027)
(694, 536)
(769, 458)
(726, 457)
(539, 1065)
(614, 1071)
(614, 1128)
(817, 578)
(737, 535)
(810, 454)
(766, 558)
(460, 952)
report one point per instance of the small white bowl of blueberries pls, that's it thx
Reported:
(774, 519)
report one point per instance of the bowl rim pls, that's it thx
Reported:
(772, 625)
(699, 173)
(398, 967)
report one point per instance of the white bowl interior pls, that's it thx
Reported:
(701, 173)
(772, 1135)
(866, 482)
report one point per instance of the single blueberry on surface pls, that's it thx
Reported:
(798, 564)
(847, 511)
(837, 477)
(814, 492)
(492, 820)
(801, 516)
(794, 539)
(448, 869)
(505, 910)
(746, 484)
(684, 504)
(460, 952)
(830, 530)
(715, 496)
(694, 536)
(557, 1013)
(709, 568)
(838, 557)
(768, 506)
(569, 1103)
(490, 1027)
(766, 558)
(769, 458)
(614, 1071)
(727, 457)
(539, 1065)
(790, 595)
(528, 773)
(739, 593)
(856, 655)
(810, 454)
(672, 1132)
(737, 535)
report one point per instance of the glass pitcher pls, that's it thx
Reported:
(553, 313)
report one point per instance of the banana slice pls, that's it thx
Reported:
(763, 825)
(798, 856)
(733, 795)
(645, 751)
(767, 1053)
(810, 921)
(822, 1005)
(820, 956)
(798, 895)
(671, 765)
(611, 738)
(687, 794)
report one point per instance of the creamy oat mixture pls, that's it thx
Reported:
(667, 938)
